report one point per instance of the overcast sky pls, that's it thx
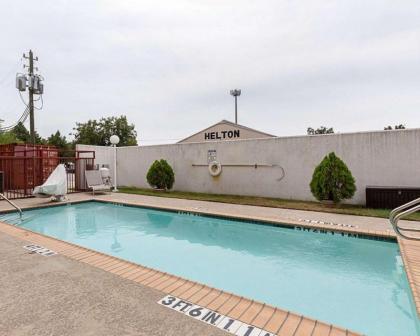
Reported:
(168, 65)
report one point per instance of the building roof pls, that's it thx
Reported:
(227, 122)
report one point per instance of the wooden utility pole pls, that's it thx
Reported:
(31, 93)
(31, 98)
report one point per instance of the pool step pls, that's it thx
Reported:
(11, 218)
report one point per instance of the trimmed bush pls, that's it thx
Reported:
(161, 175)
(332, 180)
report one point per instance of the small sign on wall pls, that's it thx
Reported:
(211, 155)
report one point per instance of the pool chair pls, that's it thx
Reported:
(55, 186)
(95, 182)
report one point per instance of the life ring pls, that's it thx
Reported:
(215, 168)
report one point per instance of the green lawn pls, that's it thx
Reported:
(267, 202)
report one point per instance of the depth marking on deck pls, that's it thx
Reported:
(211, 317)
(40, 250)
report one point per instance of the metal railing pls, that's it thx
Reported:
(401, 212)
(22, 170)
(13, 204)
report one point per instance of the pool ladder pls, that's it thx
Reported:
(401, 212)
(12, 204)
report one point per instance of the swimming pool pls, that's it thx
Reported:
(355, 283)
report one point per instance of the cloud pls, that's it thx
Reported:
(169, 65)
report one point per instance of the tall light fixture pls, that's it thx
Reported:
(236, 93)
(114, 139)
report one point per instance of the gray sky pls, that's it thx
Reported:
(169, 65)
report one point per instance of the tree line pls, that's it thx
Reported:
(330, 130)
(92, 132)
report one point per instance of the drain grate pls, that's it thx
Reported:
(40, 250)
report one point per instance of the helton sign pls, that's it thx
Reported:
(222, 135)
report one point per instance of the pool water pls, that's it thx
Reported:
(355, 283)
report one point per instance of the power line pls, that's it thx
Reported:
(35, 107)
(22, 119)
(34, 84)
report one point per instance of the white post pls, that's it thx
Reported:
(114, 139)
(115, 168)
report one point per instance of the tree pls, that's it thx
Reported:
(397, 127)
(94, 132)
(332, 180)
(22, 134)
(160, 175)
(320, 130)
(60, 142)
(57, 140)
(7, 138)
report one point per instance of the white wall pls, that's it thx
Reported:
(384, 158)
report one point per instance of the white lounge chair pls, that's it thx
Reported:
(94, 181)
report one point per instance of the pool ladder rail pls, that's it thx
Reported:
(401, 212)
(13, 204)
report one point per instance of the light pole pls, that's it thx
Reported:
(114, 139)
(236, 93)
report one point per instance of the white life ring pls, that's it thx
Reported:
(215, 168)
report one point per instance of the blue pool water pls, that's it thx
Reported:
(355, 283)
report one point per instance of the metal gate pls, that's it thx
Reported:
(28, 168)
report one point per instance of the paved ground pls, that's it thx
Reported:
(59, 296)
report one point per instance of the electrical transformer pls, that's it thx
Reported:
(40, 89)
(37, 86)
(21, 82)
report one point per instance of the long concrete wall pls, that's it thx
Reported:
(384, 158)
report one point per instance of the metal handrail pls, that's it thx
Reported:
(13, 204)
(401, 212)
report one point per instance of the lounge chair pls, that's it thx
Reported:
(55, 186)
(94, 181)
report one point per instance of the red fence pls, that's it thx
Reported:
(23, 169)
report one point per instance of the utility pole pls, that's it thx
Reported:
(236, 93)
(35, 86)
(31, 99)
(31, 93)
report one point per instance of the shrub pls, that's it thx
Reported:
(161, 175)
(332, 180)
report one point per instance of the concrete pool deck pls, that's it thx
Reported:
(272, 319)
(60, 296)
